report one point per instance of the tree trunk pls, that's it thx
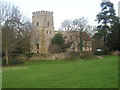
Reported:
(6, 55)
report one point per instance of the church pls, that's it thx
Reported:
(43, 31)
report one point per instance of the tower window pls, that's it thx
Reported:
(45, 17)
(37, 23)
(48, 23)
(73, 49)
(37, 45)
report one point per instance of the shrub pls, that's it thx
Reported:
(57, 44)
(54, 49)
(3, 61)
(74, 54)
(43, 55)
(106, 51)
(58, 40)
(85, 55)
(16, 61)
(28, 55)
(98, 52)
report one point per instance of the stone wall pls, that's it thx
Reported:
(57, 56)
(115, 53)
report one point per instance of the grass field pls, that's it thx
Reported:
(93, 73)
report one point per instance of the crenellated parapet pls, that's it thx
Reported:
(42, 12)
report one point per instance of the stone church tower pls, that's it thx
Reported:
(42, 31)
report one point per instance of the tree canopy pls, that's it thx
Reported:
(108, 28)
(57, 44)
(15, 32)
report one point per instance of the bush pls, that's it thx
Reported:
(43, 55)
(54, 49)
(28, 55)
(3, 61)
(58, 40)
(85, 55)
(74, 54)
(57, 44)
(16, 61)
(106, 51)
(98, 52)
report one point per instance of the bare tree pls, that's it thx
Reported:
(6, 19)
(66, 25)
(79, 25)
(15, 29)
(7, 40)
(91, 30)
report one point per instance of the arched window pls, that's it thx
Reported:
(47, 32)
(37, 23)
(73, 49)
(37, 45)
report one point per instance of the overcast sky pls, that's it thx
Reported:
(63, 9)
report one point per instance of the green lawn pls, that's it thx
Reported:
(94, 73)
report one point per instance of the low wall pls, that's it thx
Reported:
(115, 53)
(49, 56)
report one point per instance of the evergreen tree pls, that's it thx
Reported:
(57, 44)
(107, 21)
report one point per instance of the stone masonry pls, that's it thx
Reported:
(43, 32)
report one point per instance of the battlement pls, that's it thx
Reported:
(42, 12)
